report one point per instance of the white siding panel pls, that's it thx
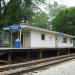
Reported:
(35, 39)
(50, 40)
(27, 39)
(37, 42)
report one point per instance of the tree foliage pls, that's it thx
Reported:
(65, 21)
(54, 9)
(15, 11)
(40, 20)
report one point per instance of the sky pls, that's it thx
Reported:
(68, 3)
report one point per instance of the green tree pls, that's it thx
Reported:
(65, 21)
(54, 9)
(40, 20)
(15, 11)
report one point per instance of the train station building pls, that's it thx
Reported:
(34, 43)
(33, 37)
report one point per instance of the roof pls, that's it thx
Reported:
(24, 27)
(45, 30)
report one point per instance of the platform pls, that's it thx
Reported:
(7, 54)
(24, 49)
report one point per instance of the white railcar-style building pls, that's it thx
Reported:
(33, 37)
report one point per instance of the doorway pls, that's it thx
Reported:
(21, 39)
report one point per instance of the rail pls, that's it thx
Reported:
(26, 66)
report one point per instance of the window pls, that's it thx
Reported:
(50, 38)
(64, 40)
(42, 36)
(70, 40)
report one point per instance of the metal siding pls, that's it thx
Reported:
(73, 42)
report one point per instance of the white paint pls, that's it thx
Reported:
(27, 39)
(37, 42)
(33, 39)
(61, 44)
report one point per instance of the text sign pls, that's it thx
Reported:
(14, 27)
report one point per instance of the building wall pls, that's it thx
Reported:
(5, 38)
(61, 44)
(27, 39)
(74, 43)
(33, 39)
(36, 41)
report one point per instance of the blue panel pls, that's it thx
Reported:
(17, 43)
(14, 27)
(61, 33)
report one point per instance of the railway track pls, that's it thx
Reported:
(31, 65)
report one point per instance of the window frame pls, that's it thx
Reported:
(42, 36)
(71, 40)
(64, 39)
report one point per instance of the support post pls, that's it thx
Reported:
(20, 38)
(3, 37)
(11, 39)
(58, 53)
(40, 55)
(9, 57)
(28, 55)
(56, 41)
(68, 51)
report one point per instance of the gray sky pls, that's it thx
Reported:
(68, 3)
(6, 0)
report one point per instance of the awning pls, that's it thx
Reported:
(13, 27)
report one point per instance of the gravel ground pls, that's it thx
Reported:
(65, 68)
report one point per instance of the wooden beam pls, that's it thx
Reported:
(3, 61)
(9, 57)
(40, 55)
(58, 53)
(28, 55)
(20, 37)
